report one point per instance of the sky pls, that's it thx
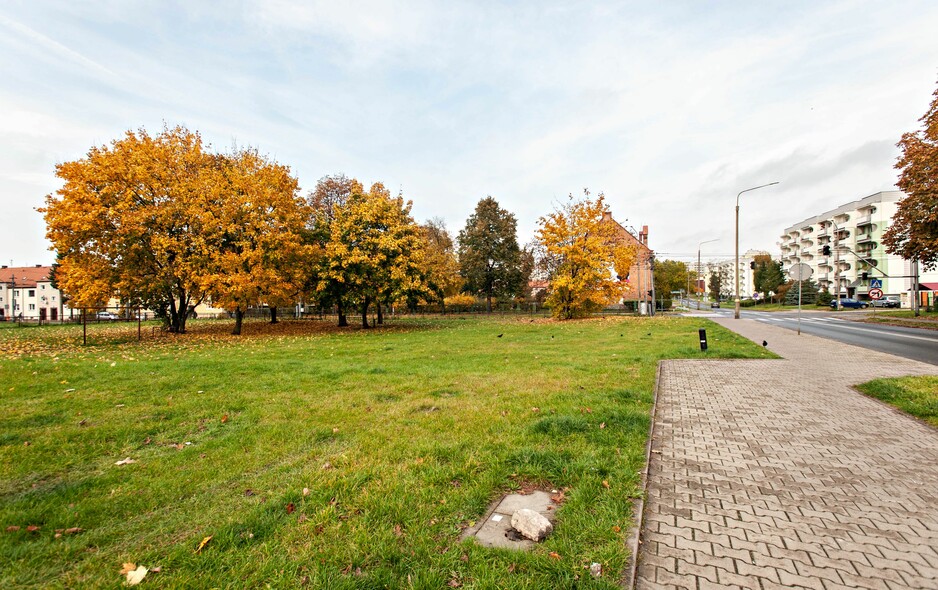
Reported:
(668, 108)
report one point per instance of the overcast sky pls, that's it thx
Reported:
(670, 109)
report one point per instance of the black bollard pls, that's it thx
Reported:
(703, 339)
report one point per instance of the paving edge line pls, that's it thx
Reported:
(633, 542)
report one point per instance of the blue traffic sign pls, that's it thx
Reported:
(876, 284)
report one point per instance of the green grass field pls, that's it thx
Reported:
(917, 396)
(402, 436)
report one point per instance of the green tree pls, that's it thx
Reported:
(809, 293)
(913, 233)
(489, 256)
(768, 275)
(670, 275)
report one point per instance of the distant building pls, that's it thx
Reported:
(26, 292)
(640, 275)
(853, 232)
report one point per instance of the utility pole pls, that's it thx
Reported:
(915, 302)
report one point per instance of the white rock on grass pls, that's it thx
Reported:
(531, 524)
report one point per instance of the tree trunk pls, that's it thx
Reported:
(239, 317)
(443, 305)
(273, 315)
(488, 301)
(173, 316)
(380, 315)
(365, 304)
(343, 321)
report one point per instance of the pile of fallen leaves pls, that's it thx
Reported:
(67, 340)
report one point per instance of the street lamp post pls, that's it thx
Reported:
(698, 266)
(736, 268)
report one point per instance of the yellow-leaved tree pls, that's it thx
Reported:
(375, 251)
(131, 219)
(583, 258)
(260, 253)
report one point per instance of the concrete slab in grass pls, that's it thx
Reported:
(495, 529)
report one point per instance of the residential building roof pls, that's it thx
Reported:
(24, 276)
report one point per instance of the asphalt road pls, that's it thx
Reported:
(911, 343)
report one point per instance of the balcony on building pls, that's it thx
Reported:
(865, 220)
(822, 232)
(841, 218)
(864, 238)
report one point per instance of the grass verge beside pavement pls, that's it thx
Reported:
(917, 396)
(327, 458)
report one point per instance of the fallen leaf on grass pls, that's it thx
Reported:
(290, 508)
(554, 555)
(398, 531)
(127, 568)
(203, 544)
(33, 528)
(605, 484)
(12, 528)
(616, 529)
(126, 461)
(224, 418)
(305, 491)
(327, 465)
(512, 568)
(136, 576)
(248, 492)
(602, 425)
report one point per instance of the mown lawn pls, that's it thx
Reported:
(917, 396)
(402, 436)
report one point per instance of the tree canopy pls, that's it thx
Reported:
(768, 275)
(585, 258)
(489, 256)
(670, 275)
(135, 220)
(913, 233)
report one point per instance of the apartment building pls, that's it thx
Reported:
(26, 292)
(853, 233)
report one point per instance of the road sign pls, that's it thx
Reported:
(876, 293)
(800, 271)
(876, 284)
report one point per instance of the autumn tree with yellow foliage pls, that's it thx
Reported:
(375, 251)
(259, 252)
(131, 222)
(161, 222)
(582, 257)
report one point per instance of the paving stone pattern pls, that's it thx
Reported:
(776, 474)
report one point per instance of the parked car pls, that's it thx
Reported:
(107, 316)
(714, 305)
(887, 301)
(850, 303)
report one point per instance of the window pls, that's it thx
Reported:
(32, 307)
(32, 293)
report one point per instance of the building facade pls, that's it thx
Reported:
(844, 248)
(641, 275)
(26, 292)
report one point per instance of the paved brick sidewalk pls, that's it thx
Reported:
(776, 474)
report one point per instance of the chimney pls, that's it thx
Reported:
(4, 266)
(38, 266)
(643, 236)
(607, 216)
